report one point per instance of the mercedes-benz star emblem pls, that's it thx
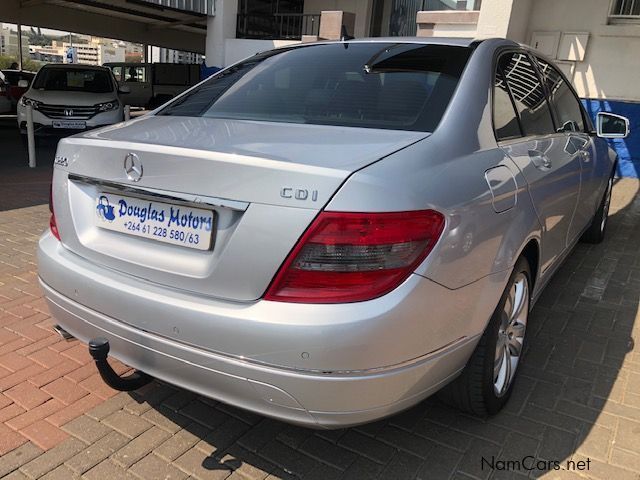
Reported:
(133, 167)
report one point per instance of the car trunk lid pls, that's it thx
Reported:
(264, 183)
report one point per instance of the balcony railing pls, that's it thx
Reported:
(439, 5)
(279, 26)
(625, 9)
(205, 7)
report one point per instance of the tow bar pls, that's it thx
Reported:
(99, 349)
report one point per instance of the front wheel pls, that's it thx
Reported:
(486, 383)
(596, 231)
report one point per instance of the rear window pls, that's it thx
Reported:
(74, 80)
(375, 85)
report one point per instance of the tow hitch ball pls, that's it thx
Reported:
(99, 349)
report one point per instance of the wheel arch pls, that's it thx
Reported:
(531, 252)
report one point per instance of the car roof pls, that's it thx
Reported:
(9, 70)
(458, 42)
(449, 41)
(133, 64)
(74, 65)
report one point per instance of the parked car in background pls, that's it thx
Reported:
(153, 84)
(329, 233)
(5, 101)
(16, 86)
(70, 98)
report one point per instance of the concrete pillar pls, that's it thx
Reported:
(331, 22)
(19, 46)
(220, 26)
(450, 23)
(504, 18)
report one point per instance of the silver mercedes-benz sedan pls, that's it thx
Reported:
(329, 233)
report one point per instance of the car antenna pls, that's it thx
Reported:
(368, 67)
(344, 34)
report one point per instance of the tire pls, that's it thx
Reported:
(598, 228)
(485, 384)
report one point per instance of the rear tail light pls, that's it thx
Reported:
(352, 257)
(52, 220)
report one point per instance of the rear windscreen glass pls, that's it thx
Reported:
(376, 85)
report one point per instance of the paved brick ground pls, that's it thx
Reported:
(578, 396)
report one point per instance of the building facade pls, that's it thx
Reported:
(168, 55)
(97, 51)
(9, 42)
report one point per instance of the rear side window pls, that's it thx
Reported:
(117, 73)
(528, 94)
(374, 85)
(134, 74)
(505, 119)
(565, 103)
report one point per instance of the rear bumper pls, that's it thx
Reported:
(318, 401)
(375, 342)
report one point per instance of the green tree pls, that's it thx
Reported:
(27, 63)
(36, 37)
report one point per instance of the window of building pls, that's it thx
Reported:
(625, 12)
(566, 105)
(505, 118)
(528, 94)
(625, 8)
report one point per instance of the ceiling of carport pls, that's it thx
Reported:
(132, 20)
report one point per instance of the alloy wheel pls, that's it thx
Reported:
(511, 333)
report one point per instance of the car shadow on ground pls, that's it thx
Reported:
(577, 397)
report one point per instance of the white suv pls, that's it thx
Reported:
(67, 98)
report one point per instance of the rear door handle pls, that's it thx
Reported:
(540, 160)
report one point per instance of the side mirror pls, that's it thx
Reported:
(124, 89)
(610, 125)
(23, 83)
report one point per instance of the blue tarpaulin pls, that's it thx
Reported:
(206, 72)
